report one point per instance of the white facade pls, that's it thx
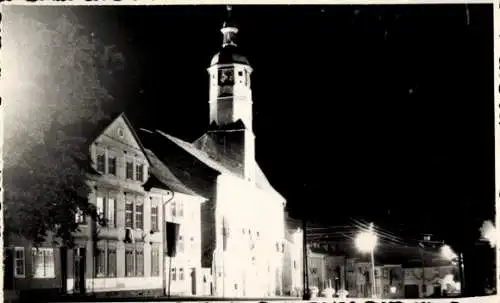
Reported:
(118, 194)
(317, 270)
(185, 268)
(249, 219)
(250, 222)
(293, 263)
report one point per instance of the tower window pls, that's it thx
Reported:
(240, 73)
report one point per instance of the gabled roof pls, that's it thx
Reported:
(103, 125)
(261, 181)
(172, 168)
(163, 178)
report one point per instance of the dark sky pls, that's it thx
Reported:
(384, 113)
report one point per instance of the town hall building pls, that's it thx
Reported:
(243, 219)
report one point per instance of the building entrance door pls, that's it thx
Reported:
(79, 270)
(8, 269)
(193, 281)
(411, 291)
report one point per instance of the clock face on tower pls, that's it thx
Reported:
(226, 77)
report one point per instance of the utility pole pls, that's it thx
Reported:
(421, 249)
(462, 274)
(306, 294)
(372, 255)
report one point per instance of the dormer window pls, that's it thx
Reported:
(101, 163)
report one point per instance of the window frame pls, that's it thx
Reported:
(44, 256)
(131, 171)
(181, 274)
(100, 256)
(155, 218)
(100, 153)
(138, 204)
(139, 251)
(139, 171)
(111, 158)
(155, 261)
(134, 249)
(131, 273)
(23, 259)
(109, 249)
(80, 217)
(173, 274)
(108, 198)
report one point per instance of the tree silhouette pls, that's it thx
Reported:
(55, 79)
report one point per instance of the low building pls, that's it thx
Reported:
(317, 270)
(392, 281)
(438, 280)
(336, 272)
(293, 259)
(32, 270)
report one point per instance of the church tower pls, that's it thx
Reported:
(230, 91)
(230, 103)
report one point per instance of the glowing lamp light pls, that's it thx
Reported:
(448, 253)
(366, 241)
(393, 289)
(489, 233)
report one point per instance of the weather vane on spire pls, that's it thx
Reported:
(229, 8)
(229, 30)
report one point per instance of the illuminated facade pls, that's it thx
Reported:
(249, 213)
(293, 259)
(242, 220)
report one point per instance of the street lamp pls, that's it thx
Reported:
(448, 253)
(366, 241)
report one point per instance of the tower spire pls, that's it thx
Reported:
(229, 29)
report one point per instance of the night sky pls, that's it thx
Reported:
(383, 113)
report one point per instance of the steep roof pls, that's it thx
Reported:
(261, 181)
(162, 177)
(172, 169)
(104, 124)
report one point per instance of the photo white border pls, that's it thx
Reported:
(496, 66)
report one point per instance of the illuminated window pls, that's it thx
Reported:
(43, 262)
